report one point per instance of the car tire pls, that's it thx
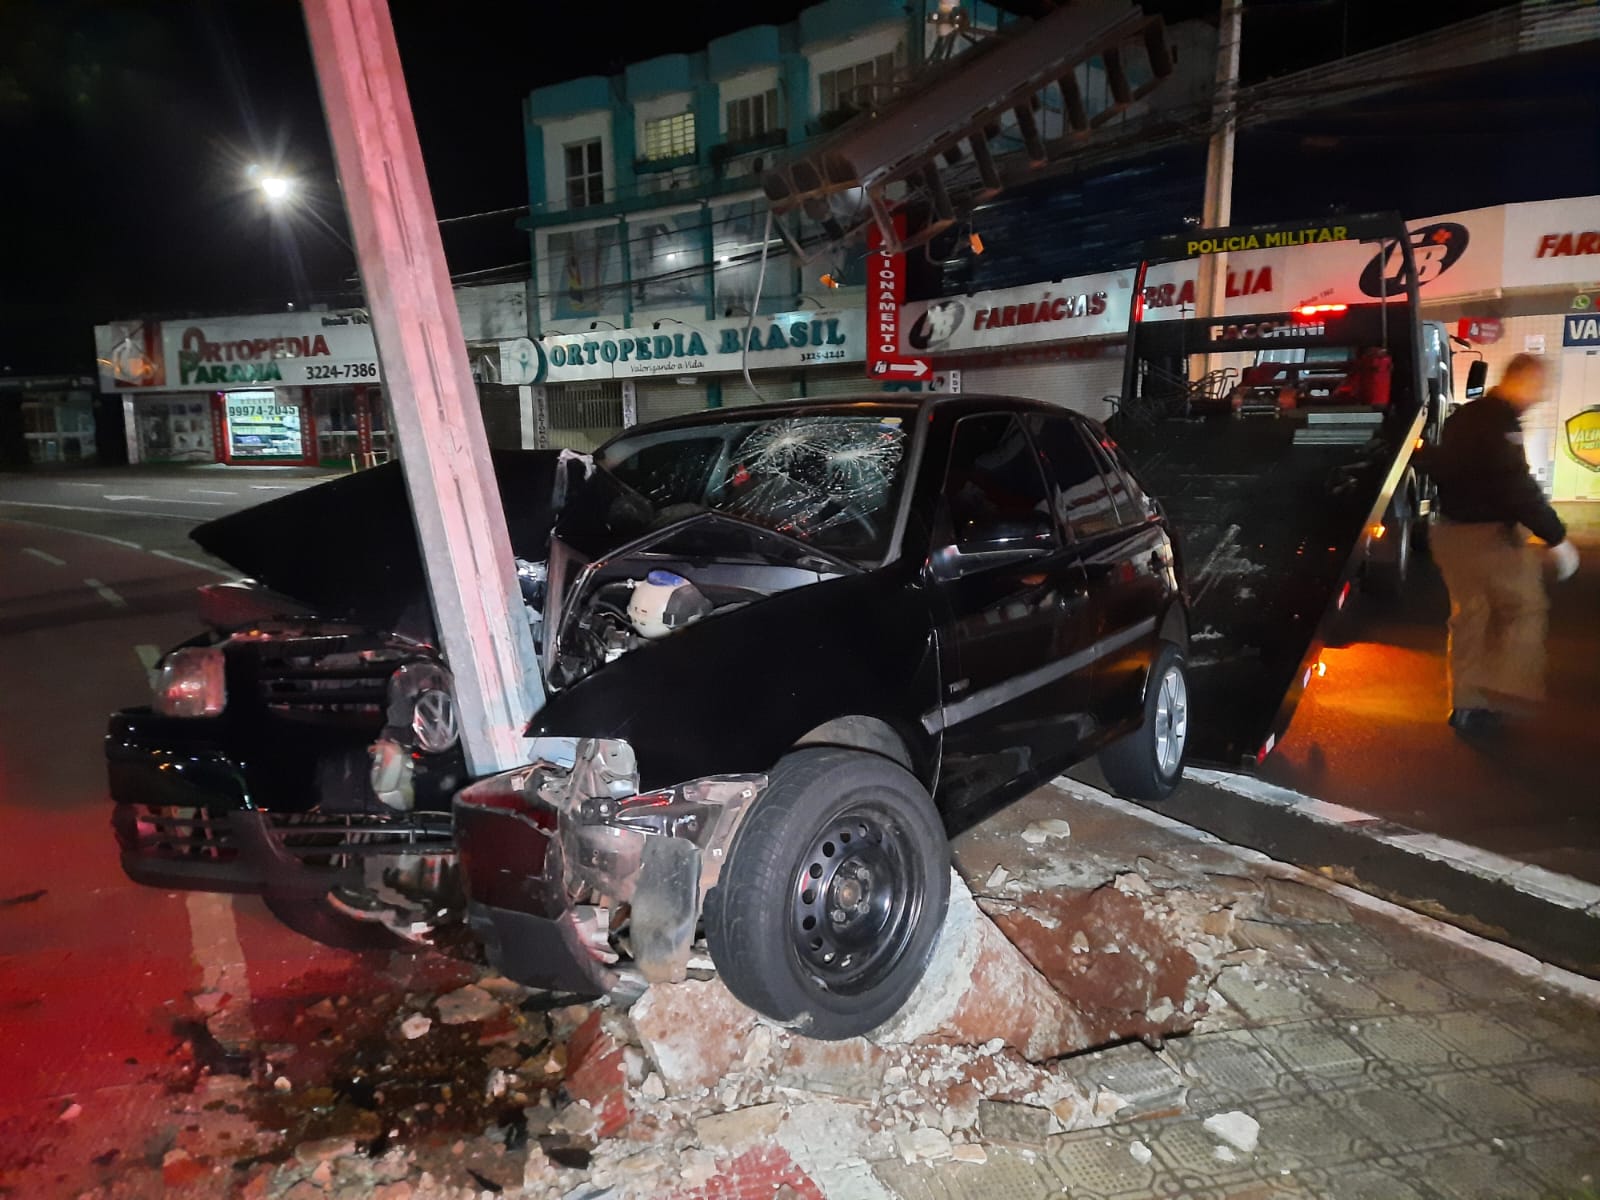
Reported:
(866, 832)
(1147, 764)
(1386, 579)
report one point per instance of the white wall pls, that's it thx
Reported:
(865, 46)
(558, 134)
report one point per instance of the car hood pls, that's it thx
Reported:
(348, 547)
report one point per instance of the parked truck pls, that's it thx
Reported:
(1282, 446)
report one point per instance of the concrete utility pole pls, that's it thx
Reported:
(444, 451)
(1211, 286)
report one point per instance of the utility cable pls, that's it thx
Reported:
(761, 278)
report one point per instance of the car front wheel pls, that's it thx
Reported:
(826, 911)
(1147, 764)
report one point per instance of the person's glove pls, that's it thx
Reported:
(1564, 557)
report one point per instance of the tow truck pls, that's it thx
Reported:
(1290, 477)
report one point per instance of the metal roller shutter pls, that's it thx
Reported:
(658, 399)
(774, 385)
(1078, 384)
(839, 381)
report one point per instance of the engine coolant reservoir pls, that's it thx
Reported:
(663, 602)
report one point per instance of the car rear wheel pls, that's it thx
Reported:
(1147, 764)
(833, 893)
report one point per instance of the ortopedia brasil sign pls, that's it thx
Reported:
(215, 354)
(793, 339)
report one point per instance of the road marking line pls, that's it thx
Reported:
(49, 558)
(213, 492)
(149, 656)
(214, 938)
(192, 562)
(102, 510)
(118, 496)
(109, 595)
(271, 487)
(77, 483)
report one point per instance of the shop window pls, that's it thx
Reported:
(668, 259)
(855, 86)
(669, 137)
(584, 272)
(751, 117)
(736, 231)
(586, 174)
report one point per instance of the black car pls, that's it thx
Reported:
(786, 648)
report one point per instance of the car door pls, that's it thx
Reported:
(1125, 555)
(1012, 607)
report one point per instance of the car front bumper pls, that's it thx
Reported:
(553, 855)
(185, 816)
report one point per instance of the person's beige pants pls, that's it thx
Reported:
(1498, 613)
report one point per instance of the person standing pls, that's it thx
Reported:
(1487, 497)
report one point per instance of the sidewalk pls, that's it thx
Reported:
(1302, 1041)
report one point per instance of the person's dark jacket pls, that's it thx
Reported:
(1483, 475)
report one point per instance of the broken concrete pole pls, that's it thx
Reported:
(694, 1032)
(979, 987)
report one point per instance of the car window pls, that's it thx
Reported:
(1083, 500)
(993, 487)
(1133, 506)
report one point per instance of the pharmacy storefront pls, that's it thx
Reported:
(586, 387)
(284, 389)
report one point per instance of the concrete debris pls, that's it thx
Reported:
(1107, 1104)
(969, 1153)
(1140, 1153)
(1080, 942)
(323, 1010)
(207, 1003)
(1040, 832)
(1239, 1130)
(466, 1005)
(1223, 1154)
(71, 1112)
(741, 1127)
(923, 1145)
(1133, 883)
(997, 879)
(1016, 1124)
(415, 1026)
(652, 1088)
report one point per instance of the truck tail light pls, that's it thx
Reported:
(191, 683)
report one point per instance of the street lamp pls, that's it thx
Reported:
(276, 187)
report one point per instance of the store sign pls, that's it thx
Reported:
(1088, 306)
(1554, 243)
(1583, 437)
(1435, 248)
(1581, 331)
(1484, 331)
(273, 349)
(257, 426)
(788, 340)
(885, 296)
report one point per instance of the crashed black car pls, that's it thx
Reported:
(786, 648)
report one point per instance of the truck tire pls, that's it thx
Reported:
(1386, 578)
(835, 888)
(1147, 764)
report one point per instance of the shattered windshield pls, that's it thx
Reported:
(830, 480)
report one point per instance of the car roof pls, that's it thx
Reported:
(865, 404)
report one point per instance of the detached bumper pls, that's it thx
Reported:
(552, 856)
(185, 817)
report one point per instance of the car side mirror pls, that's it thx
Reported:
(995, 544)
(1477, 376)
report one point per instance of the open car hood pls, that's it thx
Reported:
(348, 547)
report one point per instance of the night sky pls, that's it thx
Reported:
(127, 126)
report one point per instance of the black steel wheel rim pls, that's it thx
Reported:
(856, 898)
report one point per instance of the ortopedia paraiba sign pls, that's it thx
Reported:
(786, 340)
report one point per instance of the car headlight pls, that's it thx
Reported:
(192, 683)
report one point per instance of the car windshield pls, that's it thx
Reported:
(829, 480)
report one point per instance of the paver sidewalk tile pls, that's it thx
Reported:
(1344, 996)
(1407, 1043)
(1364, 1181)
(1265, 1001)
(1568, 1094)
(1097, 1165)
(1224, 1069)
(1474, 1172)
(1482, 982)
(1566, 1162)
(1399, 1119)
(1488, 1106)
(1301, 1133)
(1321, 1052)
(1351, 947)
(1414, 992)
(1487, 1038)
(1187, 1154)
